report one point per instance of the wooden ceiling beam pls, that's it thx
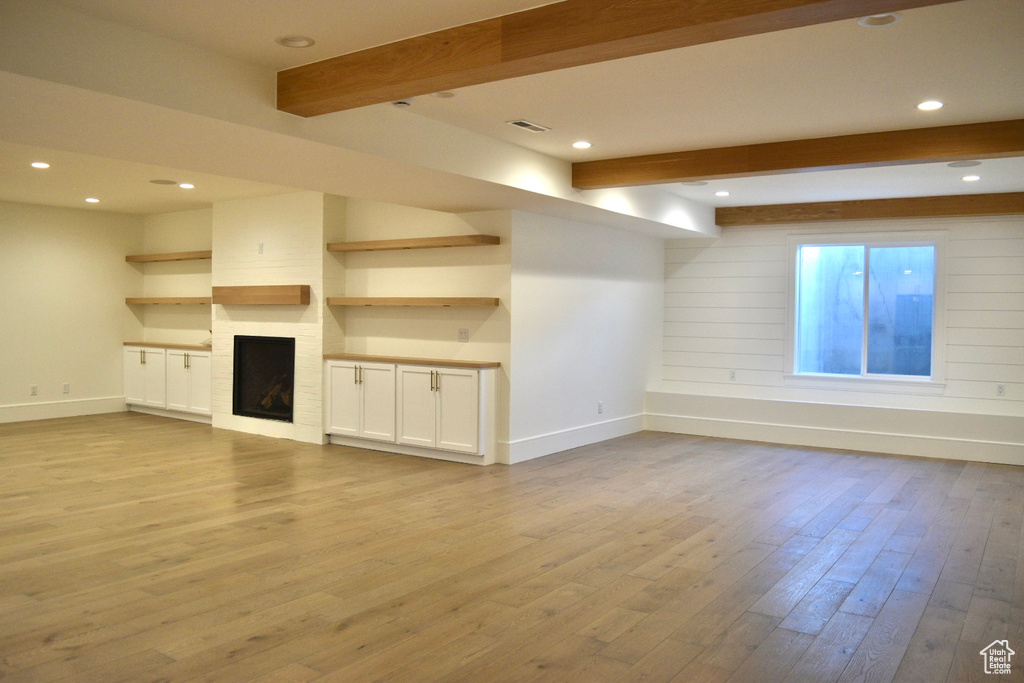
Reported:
(1001, 204)
(890, 148)
(557, 36)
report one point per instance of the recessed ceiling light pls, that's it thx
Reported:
(40, 164)
(877, 20)
(186, 186)
(444, 95)
(164, 181)
(930, 105)
(722, 193)
(92, 200)
(295, 41)
(581, 144)
(964, 164)
(971, 178)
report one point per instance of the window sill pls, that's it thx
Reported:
(889, 385)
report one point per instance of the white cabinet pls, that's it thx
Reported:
(361, 400)
(429, 408)
(144, 377)
(189, 381)
(439, 408)
(169, 378)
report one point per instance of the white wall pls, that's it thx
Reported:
(726, 310)
(64, 280)
(586, 328)
(176, 232)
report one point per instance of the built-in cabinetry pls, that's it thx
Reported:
(168, 379)
(189, 381)
(438, 408)
(432, 408)
(360, 399)
(145, 376)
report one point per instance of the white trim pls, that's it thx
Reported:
(937, 238)
(174, 414)
(538, 446)
(821, 437)
(402, 449)
(24, 412)
(888, 385)
(899, 431)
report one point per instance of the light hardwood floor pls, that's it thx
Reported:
(135, 548)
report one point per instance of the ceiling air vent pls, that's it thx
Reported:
(532, 127)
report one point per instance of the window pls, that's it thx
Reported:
(865, 309)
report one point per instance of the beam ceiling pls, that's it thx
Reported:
(1009, 203)
(557, 36)
(918, 145)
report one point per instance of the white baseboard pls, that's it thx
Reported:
(402, 449)
(532, 447)
(23, 412)
(931, 434)
(190, 417)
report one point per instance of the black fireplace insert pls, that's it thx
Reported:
(264, 377)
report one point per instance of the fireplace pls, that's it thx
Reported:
(264, 377)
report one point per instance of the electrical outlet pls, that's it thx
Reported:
(1000, 390)
(67, 388)
(33, 390)
(463, 334)
(600, 407)
(732, 375)
(259, 249)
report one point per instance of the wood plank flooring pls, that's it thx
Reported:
(136, 548)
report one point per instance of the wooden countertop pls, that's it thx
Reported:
(446, 363)
(159, 345)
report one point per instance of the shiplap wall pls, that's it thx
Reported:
(726, 310)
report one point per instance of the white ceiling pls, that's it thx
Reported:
(832, 79)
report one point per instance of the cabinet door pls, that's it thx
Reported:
(134, 379)
(343, 398)
(200, 377)
(154, 377)
(416, 410)
(458, 410)
(377, 384)
(177, 380)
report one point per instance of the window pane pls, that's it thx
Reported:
(830, 309)
(900, 293)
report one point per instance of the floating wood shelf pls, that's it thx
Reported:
(431, 301)
(175, 256)
(172, 300)
(416, 243)
(262, 295)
